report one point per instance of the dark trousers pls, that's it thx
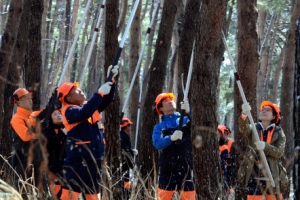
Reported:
(83, 176)
(176, 180)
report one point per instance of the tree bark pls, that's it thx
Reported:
(287, 95)
(33, 69)
(192, 14)
(134, 52)
(205, 79)
(148, 157)
(9, 38)
(247, 38)
(112, 121)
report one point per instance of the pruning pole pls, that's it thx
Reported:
(186, 91)
(254, 131)
(96, 30)
(187, 87)
(119, 51)
(74, 43)
(137, 67)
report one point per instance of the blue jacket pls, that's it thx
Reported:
(173, 157)
(85, 138)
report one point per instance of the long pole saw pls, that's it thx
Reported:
(96, 30)
(74, 43)
(256, 138)
(137, 67)
(118, 54)
(186, 91)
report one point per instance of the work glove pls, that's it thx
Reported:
(245, 108)
(64, 130)
(185, 106)
(177, 135)
(105, 88)
(231, 195)
(260, 145)
(135, 152)
(114, 70)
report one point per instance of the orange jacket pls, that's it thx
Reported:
(22, 122)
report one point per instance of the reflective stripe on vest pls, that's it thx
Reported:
(94, 119)
(269, 136)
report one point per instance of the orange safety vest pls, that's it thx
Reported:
(94, 119)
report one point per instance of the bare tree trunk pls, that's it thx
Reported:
(205, 79)
(83, 45)
(97, 70)
(46, 72)
(44, 31)
(262, 75)
(157, 80)
(247, 66)
(296, 169)
(277, 76)
(121, 21)
(192, 14)
(32, 72)
(58, 63)
(287, 95)
(134, 50)
(7, 46)
(112, 121)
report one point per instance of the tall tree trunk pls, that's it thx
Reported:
(6, 50)
(287, 95)
(32, 72)
(97, 70)
(48, 67)
(277, 76)
(205, 79)
(112, 121)
(134, 50)
(148, 157)
(247, 66)
(296, 168)
(192, 14)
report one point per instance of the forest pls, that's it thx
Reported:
(254, 43)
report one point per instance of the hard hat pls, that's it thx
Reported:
(18, 93)
(275, 108)
(65, 89)
(224, 129)
(159, 98)
(125, 122)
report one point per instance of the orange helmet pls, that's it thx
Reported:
(275, 108)
(125, 122)
(65, 89)
(161, 97)
(224, 129)
(18, 93)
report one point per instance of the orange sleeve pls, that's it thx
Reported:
(22, 130)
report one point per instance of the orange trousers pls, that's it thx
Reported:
(168, 194)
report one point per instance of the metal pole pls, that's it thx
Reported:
(119, 51)
(96, 30)
(139, 60)
(74, 43)
(237, 77)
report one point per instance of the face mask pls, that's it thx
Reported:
(222, 141)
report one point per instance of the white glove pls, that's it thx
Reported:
(177, 135)
(135, 152)
(260, 145)
(231, 195)
(246, 107)
(185, 106)
(105, 88)
(114, 70)
(64, 131)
